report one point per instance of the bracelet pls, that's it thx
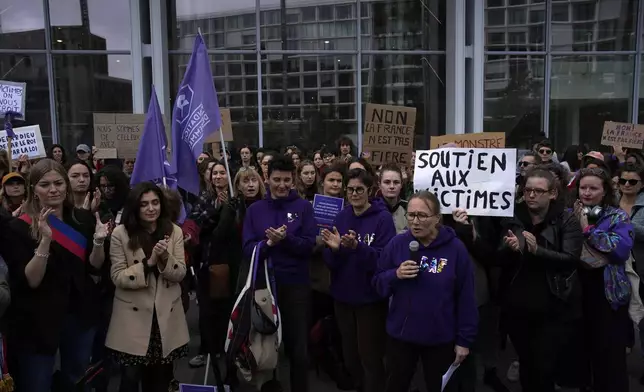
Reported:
(98, 243)
(43, 255)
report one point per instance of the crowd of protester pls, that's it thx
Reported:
(99, 273)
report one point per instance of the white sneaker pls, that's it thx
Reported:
(513, 372)
(198, 361)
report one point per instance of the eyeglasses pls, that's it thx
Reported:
(525, 164)
(422, 218)
(545, 151)
(624, 181)
(107, 187)
(537, 192)
(357, 191)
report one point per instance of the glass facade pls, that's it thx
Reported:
(561, 68)
(316, 65)
(301, 72)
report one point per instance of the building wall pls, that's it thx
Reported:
(300, 71)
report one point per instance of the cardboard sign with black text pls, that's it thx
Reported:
(470, 140)
(389, 133)
(479, 180)
(623, 135)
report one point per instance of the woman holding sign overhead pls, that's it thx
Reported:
(54, 252)
(360, 232)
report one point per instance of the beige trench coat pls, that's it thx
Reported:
(137, 296)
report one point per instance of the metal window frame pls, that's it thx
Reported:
(49, 53)
(637, 70)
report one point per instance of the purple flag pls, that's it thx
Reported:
(194, 117)
(152, 156)
(8, 126)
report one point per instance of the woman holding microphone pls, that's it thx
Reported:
(432, 310)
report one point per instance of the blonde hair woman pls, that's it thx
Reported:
(52, 252)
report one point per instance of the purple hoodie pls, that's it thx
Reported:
(439, 305)
(352, 269)
(290, 256)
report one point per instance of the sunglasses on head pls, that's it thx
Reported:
(545, 151)
(525, 164)
(624, 181)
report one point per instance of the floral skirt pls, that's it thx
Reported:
(154, 356)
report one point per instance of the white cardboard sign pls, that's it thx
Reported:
(28, 141)
(479, 180)
(13, 96)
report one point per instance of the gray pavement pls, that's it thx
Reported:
(321, 383)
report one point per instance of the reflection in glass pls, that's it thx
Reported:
(411, 80)
(30, 69)
(311, 109)
(236, 90)
(22, 24)
(521, 30)
(594, 25)
(86, 84)
(585, 92)
(90, 24)
(640, 116)
(514, 97)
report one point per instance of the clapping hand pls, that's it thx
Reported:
(332, 239)
(43, 225)
(512, 241)
(349, 240)
(223, 197)
(581, 214)
(102, 230)
(275, 235)
(460, 216)
(160, 251)
(531, 242)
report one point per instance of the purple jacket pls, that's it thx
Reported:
(291, 256)
(353, 269)
(439, 305)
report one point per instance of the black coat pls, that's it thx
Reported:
(36, 316)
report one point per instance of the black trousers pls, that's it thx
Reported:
(605, 337)
(537, 342)
(155, 378)
(294, 302)
(362, 328)
(402, 358)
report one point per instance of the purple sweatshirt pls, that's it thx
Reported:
(439, 305)
(352, 269)
(290, 256)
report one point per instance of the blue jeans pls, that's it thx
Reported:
(75, 347)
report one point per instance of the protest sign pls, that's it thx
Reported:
(106, 153)
(325, 209)
(226, 126)
(623, 135)
(119, 131)
(478, 180)
(470, 140)
(13, 97)
(389, 133)
(28, 141)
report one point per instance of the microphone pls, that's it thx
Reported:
(413, 251)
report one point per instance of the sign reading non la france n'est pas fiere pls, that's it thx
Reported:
(479, 180)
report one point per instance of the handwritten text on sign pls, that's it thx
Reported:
(13, 97)
(28, 141)
(470, 140)
(623, 135)
(478, 180)
(389, 133)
